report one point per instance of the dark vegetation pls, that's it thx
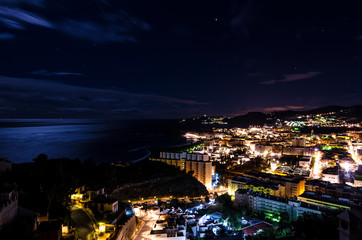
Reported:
(315, 227)
(45, 185)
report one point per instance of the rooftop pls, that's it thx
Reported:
(256, 182)
(256, 227)
(274, 177)
(327, 198)
(259, 194)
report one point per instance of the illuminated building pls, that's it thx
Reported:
(299, 151)
(325, 200)
(273, 206)
(305, 162)
(103, 204)
(298, 142)
(169, 227)
(294, 186)
(241, 182)
(263, 149)
(331, 175)
(200, 164)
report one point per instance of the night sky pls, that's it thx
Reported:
(175, 59)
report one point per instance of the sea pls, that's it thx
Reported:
(22, 140)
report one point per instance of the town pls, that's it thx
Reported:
(291, 178)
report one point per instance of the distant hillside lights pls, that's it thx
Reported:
(212, 120)
(192, 135)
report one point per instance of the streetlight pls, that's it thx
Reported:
(102, 227)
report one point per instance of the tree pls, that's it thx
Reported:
(284, 217)
(225, 200)
(209, 235)
(266, 234)
(314, 226)
(40, 158)
(174, 202)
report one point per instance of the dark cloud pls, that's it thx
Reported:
(94, 32)
(285, 108)
(241, 16)
(39, 3)
(171, 57)
(56, 98)
(110, 26)
(113, 27)
(15, 17)
(47, 73)
(6, 36)
(256, 74)
(7, 109)
(74, 109)
(65, 99)
(292, 77)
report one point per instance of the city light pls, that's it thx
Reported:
(76, 196)
(102, 227)
(346, 166)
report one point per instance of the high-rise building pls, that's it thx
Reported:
(199, 164)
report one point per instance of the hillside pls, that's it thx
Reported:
(45, 184)
(251, 118)
(350, 114)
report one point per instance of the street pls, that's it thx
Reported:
(83, 223)
(317, 168)
(144, 232)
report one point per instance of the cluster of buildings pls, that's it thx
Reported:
(41, 226)
(8, 205)
(307, 171)
(272, 206)
(276, 185)
(315, 154)
(171, 224)
(178, 224)
(116, 219)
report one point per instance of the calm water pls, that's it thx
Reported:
(103, 140)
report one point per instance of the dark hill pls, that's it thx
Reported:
(251, 118)
(353, 114)
(327, 109)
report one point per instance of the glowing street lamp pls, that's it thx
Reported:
(102, 227)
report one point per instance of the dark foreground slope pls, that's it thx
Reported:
(44, 185)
